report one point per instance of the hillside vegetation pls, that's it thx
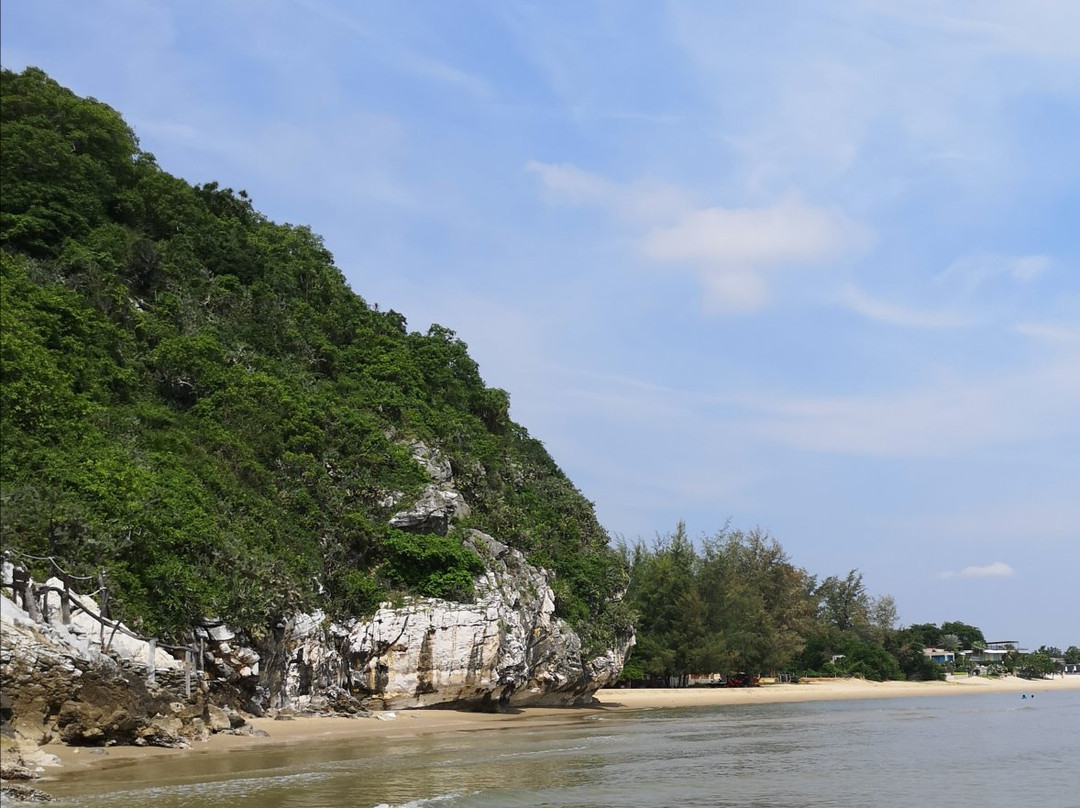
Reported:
(195, 400)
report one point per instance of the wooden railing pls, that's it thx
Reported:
(33, 598)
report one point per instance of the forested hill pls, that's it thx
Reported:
(195, 400)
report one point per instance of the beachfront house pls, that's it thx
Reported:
(940, 655)
(994, 653)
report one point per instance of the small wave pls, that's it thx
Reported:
(542, 752)
(421, 802)
(196, 794)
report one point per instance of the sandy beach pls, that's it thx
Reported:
(403, 725)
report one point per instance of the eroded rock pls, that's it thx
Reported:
(506, 648)
(21, 793)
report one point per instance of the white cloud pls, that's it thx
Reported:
(731, 249)
(786, 233)
(882, 311)
(999, 569)
(642, 202)
(972, 271)
(568, 183)
(736, 251)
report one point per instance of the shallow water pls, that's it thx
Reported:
(971, 750)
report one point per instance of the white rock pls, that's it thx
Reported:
(506, 647)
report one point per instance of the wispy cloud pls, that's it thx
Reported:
(937, 419)
(733, 250)
(973, 271)
(397, 54)
(999, 569)
(644, 202)
(882, 311)
(1060, 333)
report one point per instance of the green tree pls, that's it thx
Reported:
(195, 399)
(65, 167)
(844, 602)
(738, 604)
(1038, 665)
(970, 637)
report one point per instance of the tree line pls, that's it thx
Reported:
(734, 602)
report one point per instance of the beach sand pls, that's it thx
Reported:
(406, 724)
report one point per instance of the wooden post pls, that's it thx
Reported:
(44, 604)
(21, 580)
(108, 645)
(101, 609)
(65, 601)
(104, 608)
(187, 672)
(18, 584)
(151, 673)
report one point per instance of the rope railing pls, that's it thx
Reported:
(52, 560)
(35, 603)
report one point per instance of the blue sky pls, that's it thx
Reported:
(808, 267)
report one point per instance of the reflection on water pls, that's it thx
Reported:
(979, 749)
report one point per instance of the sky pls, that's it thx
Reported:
(807, 267)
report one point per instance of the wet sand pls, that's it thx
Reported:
(403, 725)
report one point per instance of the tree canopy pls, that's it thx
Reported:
(734, 602)
(194, 399)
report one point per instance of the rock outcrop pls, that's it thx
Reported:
(66, 681)
(505, 649)
(439, 503)
(59, 684)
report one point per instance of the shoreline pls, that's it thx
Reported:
(401, 726)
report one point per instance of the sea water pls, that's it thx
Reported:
(982, 750)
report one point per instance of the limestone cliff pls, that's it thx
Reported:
(60, 684)
(506, 648)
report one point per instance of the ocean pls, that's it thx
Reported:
(983, 750)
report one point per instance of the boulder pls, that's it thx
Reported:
(21, 793)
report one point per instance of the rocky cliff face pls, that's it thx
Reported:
(59, 684)
(505, 649)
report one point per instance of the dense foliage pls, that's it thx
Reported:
(194, 400)
(734, 602)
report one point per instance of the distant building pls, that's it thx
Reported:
(994, 653)
(940, 655)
